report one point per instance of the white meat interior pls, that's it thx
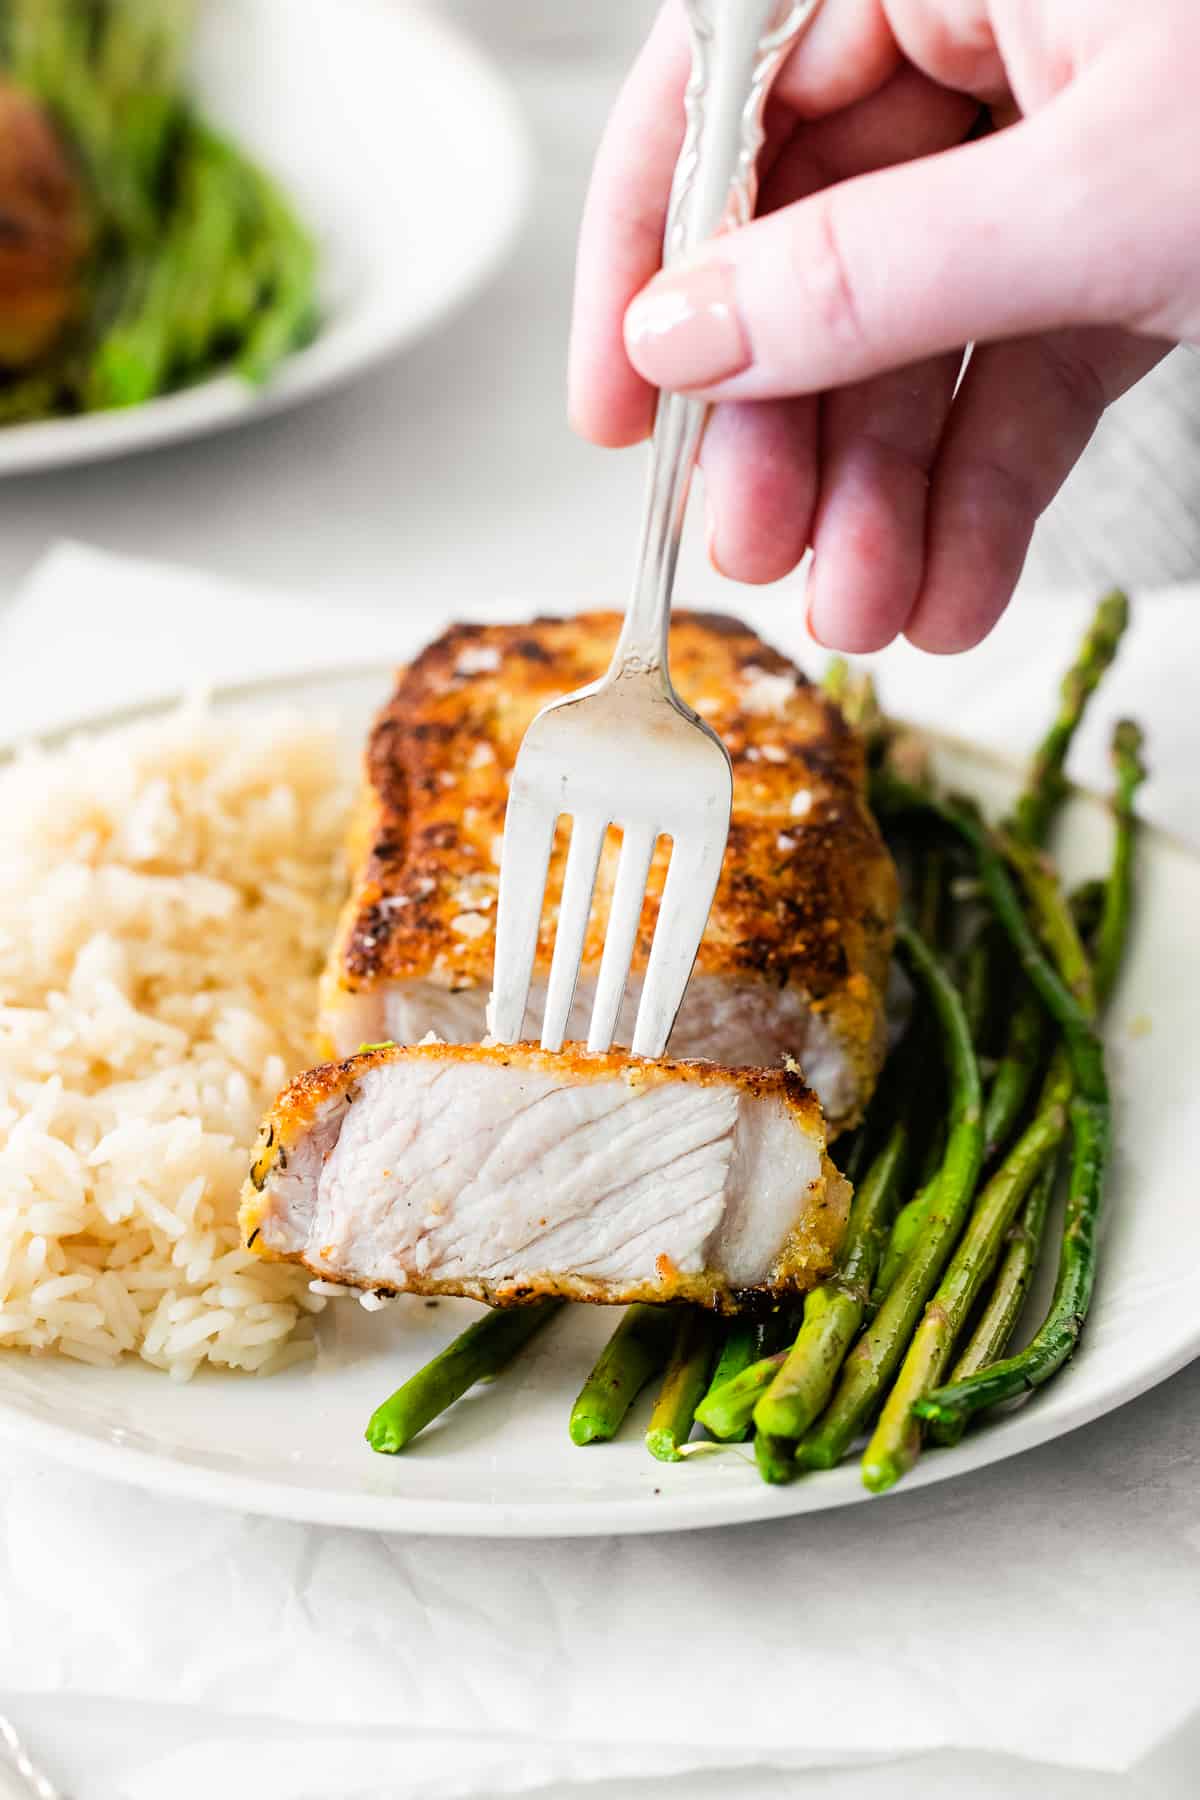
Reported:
(452, 1169)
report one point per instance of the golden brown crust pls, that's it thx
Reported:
(808, 891)
(806, 1258)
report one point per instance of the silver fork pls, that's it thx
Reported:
(626, 750)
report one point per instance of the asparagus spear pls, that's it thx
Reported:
(1087, 907)
(949, 1408)
(907, 1230)
(836, 678)
(891, 794)
(740, 1349)
(834, 1311)
(870, 1364)
(1015, 1071)
(1113, 928)
(684, 1383)
(483, 1349)
(727, 1410)
(636, 1351)
(1095, 902)
(774, 1458)
(896, 1441)
(1046, 786)
(977, 987)
(1070, 999)
(999, 1317)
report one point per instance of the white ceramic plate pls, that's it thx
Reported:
(404, 153)
(500, 1463)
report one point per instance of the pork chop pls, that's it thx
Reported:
(795, 955)
(505, 1172)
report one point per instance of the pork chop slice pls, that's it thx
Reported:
(504, 1172)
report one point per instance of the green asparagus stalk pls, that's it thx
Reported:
(1069, 994)
(908, 1227)
(896, 1441)
(684, 1383)
(726, 1411)
(1087, 908)
(740, 1349)
(1113, 928)
(871, 1363)
(633, 1355)
(1010, 1085)
(1055, 922)
(836, 678)
(893, 795)
(989, 1340)
(1046, 786)
(482, 1350)
(931, 895)
(977, 987)
(834, 1311)
(1092, 903)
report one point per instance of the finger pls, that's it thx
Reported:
(1022, 418)
(760, 461)
(620, 241)
(878, 442)
(909, 116)
(847, 52)
(760, 483)
(955, 44)
(621, 235)
(1000, 237)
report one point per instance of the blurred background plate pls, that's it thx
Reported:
(404, 152)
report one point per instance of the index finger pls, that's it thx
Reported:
(848, 52)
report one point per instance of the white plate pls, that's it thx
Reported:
(403, 152)
(500, 1463)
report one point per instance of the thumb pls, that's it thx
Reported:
(1002, 237)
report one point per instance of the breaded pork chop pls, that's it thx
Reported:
(505, 1172)
(796, 950)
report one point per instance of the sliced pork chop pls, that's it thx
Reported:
(795, 956)
(507, 1172)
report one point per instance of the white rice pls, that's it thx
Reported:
(167, 892)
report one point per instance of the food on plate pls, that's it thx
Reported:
(794, 959)
(143, 251)
(909, 1333)
(508, 1173)
(45, 231)
(166, 895)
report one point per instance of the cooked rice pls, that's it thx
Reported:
(167, 892)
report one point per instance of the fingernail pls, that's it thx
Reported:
(684, 331)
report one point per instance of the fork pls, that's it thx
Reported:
(626, 750)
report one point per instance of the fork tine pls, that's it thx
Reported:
(583, 859)
(629, 892)
(528, 838)
(682, 915)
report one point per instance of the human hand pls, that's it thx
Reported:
(1064, 242)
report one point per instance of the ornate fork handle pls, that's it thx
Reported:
(737, 48)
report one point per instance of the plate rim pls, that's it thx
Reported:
(1026, 1428)
(221, 401)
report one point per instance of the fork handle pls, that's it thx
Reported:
(737, 48)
